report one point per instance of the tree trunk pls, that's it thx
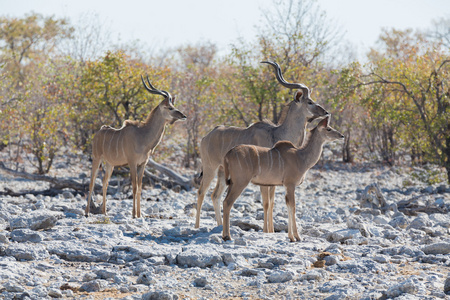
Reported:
(346, 152)
(447, 153)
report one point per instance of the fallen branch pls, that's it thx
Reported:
(179, 179)
(57, 184)
(372, 199)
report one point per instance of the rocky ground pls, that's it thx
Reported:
(353, 246)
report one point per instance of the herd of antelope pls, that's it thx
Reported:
(264, 154)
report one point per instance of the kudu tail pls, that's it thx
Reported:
(226, 171)
(198, 179)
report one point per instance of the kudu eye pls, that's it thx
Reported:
(328, 129)
(170, 108)
(310, 102)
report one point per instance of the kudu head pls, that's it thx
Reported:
(327, 132)
(167, 108)
(302, 99)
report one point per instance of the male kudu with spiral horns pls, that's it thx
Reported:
(292, 127)
(132, 145)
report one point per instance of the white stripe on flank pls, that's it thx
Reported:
(103, 144)
(117, 146)
(249, 158)
(237, 156)
(271, 160)
(123, 151)
(259, 161)
(279, 160)
(230, 145)
(221, 145)
(110, 142)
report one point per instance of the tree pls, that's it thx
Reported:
(296, 35)
(25, 42)
(195, 84)
(111, 91)
(416, 72)
(34, 120)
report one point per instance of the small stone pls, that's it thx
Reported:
(399, 222)
(280, 277)
(382, 259)
(145, 278)
(13, 287)
(441, 189)
(200, 282)
(89, 276)
(331, 260)
(437, 248)
(55, 293)
(409, 286)
(240, 242)
(26, 235)
(159, 295)
(427, 190)
(319, 264)
(316, 275)
(420, 223)
(97, 285)
(447, 285)
(68, 195)
(202, 258)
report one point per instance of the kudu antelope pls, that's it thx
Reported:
(131, 145)
(216, 144)
(284, 164)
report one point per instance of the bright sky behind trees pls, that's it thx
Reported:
(171, 23)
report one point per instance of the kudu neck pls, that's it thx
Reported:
(311, 152)
(293, 129)
(155, 123)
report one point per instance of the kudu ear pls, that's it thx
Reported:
(173, 99)
(298, 95)
(324, 122)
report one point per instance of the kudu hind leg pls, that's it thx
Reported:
(270, 210)
(108, 172)
(234, 190)
(217, 194)
(140, 174)
(94, 172)
(208, 176)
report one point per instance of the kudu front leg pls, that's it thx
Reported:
(95, 166)
(267, 195)
(292, 225)
(207, 177)
(140, 175)
(133, 175)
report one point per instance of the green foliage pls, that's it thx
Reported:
(429, 176)
(409, 94)
(396, 105)
(103, 221)
(27, 41)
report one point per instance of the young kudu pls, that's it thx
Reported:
(284, 164)
(131, 145)
(221, 139)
